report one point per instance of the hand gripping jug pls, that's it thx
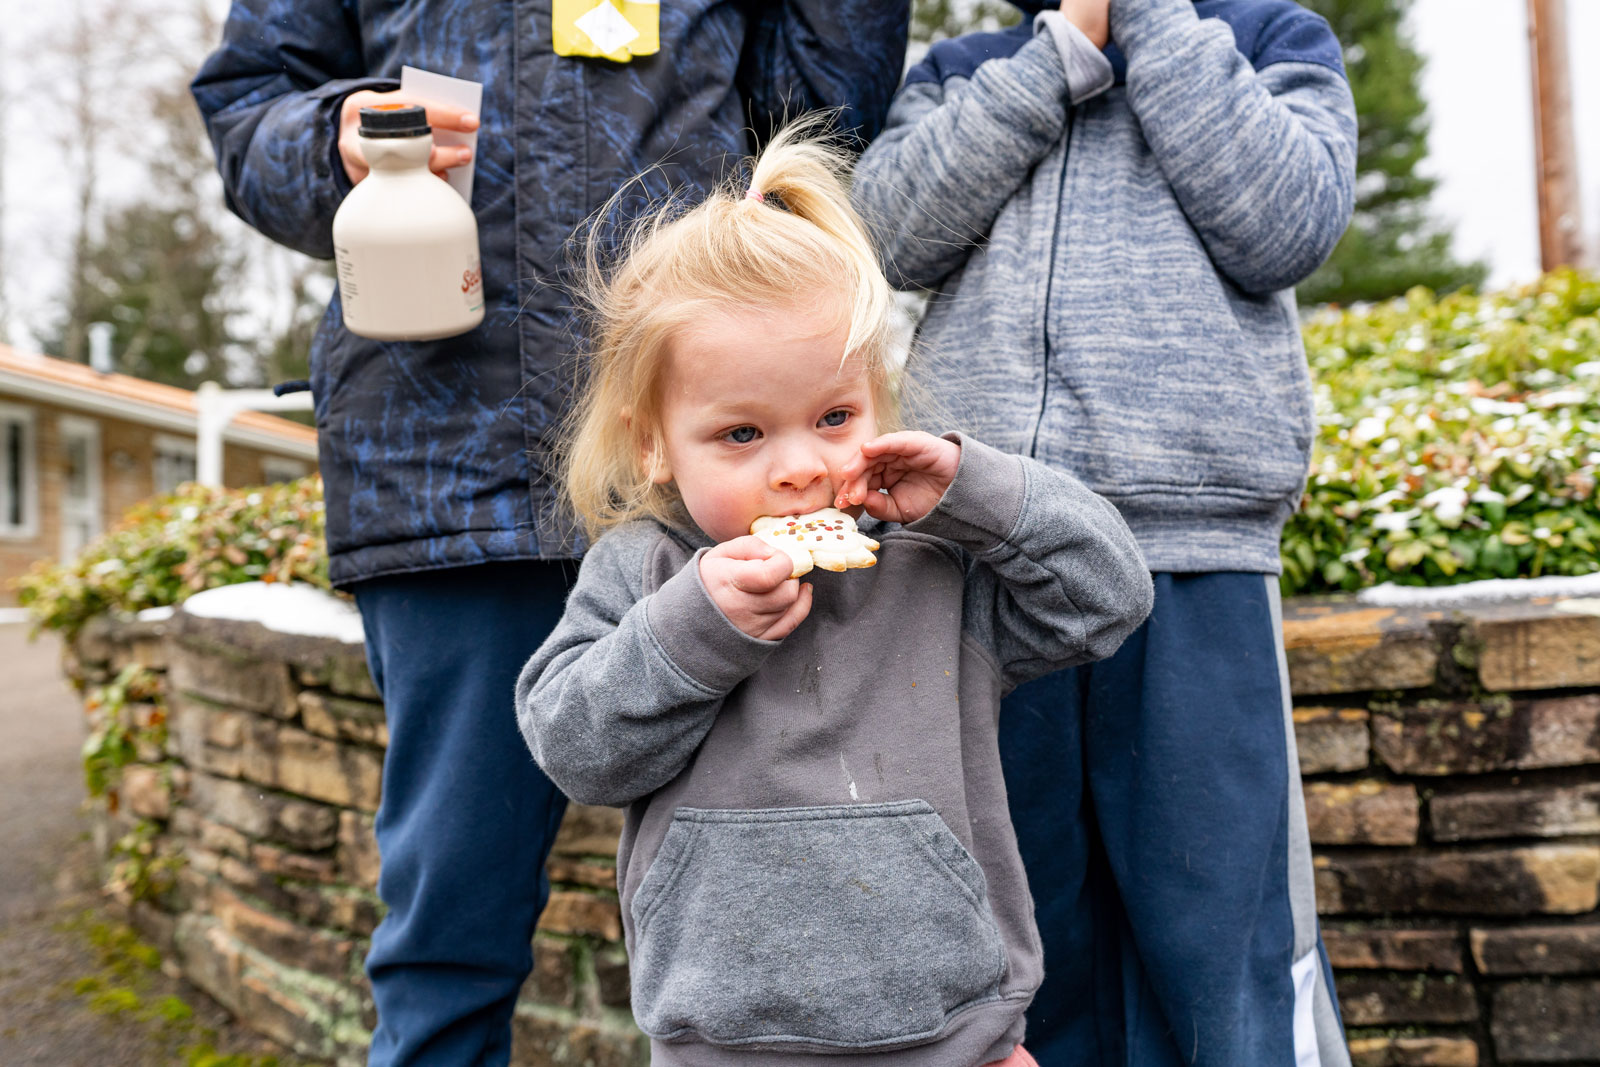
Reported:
(405, 242)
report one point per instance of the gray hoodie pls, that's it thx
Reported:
(817, 857)
(1112, 239)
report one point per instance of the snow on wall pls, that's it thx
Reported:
(284, 607)
(1390, 595)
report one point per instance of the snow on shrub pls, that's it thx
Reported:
(1458, 438)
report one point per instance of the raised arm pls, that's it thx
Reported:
(270, 97)
(801, 55)
(1057, 579)
(620, 695)
(1263, 163)
(959, 144)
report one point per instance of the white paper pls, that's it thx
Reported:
(456, 92)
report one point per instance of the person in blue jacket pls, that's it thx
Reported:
(435, 457)
(1111, 203)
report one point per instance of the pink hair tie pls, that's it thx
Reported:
(755, 194)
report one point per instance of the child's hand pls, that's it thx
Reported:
(749, 580)
(1093, 17)
(440, 117)
(915, 468)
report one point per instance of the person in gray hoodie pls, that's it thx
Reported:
(816, 859)
(1110, 204)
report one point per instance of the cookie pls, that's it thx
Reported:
(827, 539)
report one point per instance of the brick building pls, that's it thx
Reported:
(79, 447)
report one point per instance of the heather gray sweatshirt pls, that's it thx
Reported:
(1111, 241)
(817, 857)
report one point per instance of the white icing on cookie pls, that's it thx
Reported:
(827, 539)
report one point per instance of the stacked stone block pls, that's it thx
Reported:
(267, 789)
(1451, 766)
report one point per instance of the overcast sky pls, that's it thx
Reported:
(1480, 95)
(1477, 83)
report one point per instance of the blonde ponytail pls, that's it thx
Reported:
(809, 176)
(785, 236)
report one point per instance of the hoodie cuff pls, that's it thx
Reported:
(1136, 22)
(697, 637)
(1089, 72)
(331, 98)
(981, 505)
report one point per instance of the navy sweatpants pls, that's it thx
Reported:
(1156, 797)
(467, 818)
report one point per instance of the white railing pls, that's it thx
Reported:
(217, 407)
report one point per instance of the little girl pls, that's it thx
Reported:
(817, 859)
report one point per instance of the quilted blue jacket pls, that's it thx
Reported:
(437, 454)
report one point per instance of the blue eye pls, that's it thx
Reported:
(742, 435)
(836, 418)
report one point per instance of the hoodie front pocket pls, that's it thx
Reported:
(849, 927)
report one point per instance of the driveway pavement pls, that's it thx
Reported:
(41, 787)
(51, 910)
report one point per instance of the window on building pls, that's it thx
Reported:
(282, 469)
(19, 476)
(79, 440)
(174, 462)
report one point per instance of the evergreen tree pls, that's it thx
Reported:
(934, 20)
(1392, 243)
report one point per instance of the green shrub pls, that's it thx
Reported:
(1456, 439)
(170, 547)
(118, 730)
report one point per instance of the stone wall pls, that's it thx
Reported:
(1452, 781)
(1452, 764)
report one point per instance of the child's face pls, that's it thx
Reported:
(757, 416)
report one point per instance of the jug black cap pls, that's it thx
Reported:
(394, 120)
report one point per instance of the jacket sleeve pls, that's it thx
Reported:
(270, 96)
(801, 55)
(954, 152)
(1056, 578)
(1263, 164)
(617, 699)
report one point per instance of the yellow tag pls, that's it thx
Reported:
(616, 30)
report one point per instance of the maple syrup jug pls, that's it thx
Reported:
(406, 244)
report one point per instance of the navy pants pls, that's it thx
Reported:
(467, 817)
(1157, 803)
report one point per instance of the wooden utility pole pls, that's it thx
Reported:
(1561, 236)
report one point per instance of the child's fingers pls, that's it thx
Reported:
(853, 489)
(748, 546)
(786, 623)
(758, 576)
(862, 476)
(850, 480)
(882, 507)
(900, 443)
(881, 462)
(854, 466)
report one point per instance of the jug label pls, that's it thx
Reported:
(472, 286)
(347, 276)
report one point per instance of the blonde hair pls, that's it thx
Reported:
(753, 244)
